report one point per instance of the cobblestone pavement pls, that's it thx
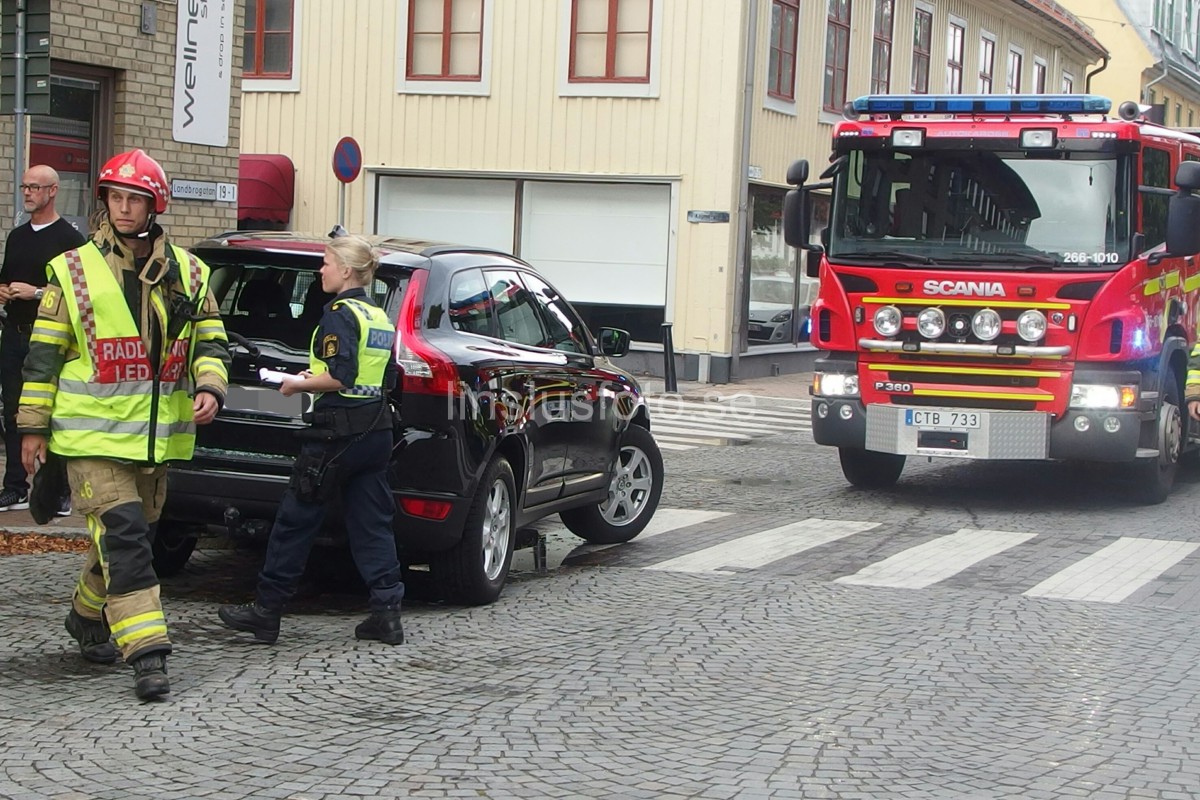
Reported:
(611, 682)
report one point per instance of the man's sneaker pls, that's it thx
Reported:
(13, 500)
(93, 637)
(64, 510)
(252, 618)
(150, 676)
(382, 626)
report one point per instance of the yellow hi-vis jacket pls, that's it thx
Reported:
(375, 338)
(109, 402)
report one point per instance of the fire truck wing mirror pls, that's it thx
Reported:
(795, 218)
(1187, 176)
(812, 263)
(797, 173)
(1183, 223)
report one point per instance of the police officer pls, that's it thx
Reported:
(349, 447)
(126, 356)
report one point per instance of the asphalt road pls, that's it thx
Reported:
(895, 655)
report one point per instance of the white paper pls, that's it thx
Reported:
(275, 377)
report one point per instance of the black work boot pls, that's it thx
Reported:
(383, 625)
(93, 638)
(252, 618)
(150, 676)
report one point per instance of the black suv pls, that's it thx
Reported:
(508, 410)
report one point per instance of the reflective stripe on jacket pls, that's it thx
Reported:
(109, 401)
(375, 338)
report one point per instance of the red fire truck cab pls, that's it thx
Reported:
(1003, 277)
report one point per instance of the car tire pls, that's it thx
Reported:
(172, 547)
(474, 571)
(633, 494)
(1154, 478)
(868, 469)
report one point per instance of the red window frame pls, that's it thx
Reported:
(956, 40)
(987, 64)
(881, 47)
(922, 50)
(837, 55)
(254, 27)
(447, 34)
(781, 80)
(610, 57)
(1012, 72)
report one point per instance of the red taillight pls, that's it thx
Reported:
(427, 509)
(427, 370)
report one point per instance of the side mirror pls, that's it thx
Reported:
(797, 173)
(795, 218)
(1183, 222)
(812, 263)
(614, 341)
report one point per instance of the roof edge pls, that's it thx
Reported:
(1066, 22)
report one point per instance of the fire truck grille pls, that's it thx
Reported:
(964, 402)
(992, 387)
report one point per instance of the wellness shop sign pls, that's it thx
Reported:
(203, 59)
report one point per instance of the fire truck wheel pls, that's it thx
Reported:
(868, 469)
(1155, 477)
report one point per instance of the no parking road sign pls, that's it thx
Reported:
(347, 159)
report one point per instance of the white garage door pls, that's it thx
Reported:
(603, 243)
(458, 210)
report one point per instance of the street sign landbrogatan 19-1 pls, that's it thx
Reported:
(37, 56)
(347, 159)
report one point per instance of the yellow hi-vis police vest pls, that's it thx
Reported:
(375, 338)
(109, 403)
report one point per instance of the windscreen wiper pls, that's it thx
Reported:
(1034, 260)
(895, 256)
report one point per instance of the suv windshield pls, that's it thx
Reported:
(280, 303)
(951, 207)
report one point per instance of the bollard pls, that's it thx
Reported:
(672, 385)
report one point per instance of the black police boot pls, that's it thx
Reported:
(383, 625)
(93, 638)
(252, 618)
(150, 676)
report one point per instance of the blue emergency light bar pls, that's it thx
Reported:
(982, 104)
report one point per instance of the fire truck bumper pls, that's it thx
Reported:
(976, 433)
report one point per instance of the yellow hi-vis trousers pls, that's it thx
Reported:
(121, 503)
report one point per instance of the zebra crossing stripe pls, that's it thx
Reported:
(1114, 573)
(931, 562)
(764, 547)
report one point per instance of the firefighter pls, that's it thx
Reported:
(127, 355)
(347, 450)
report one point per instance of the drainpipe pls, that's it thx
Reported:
(1087, 81)
(1146, 88)
(741, 283)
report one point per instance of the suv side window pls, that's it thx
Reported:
(516, 311)
(567, 332)
(471, 304)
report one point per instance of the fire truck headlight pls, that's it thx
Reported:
(835, 384)
(986, 324)
(1031, 325)
(1100, 396)
(1037, 137)
(931, 323)
(908, 137)
(888, 320)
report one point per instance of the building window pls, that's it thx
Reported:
(1012, 77)
(881, 48)
(987, 63)
(445, 39)
(837, 55)
(1178, 115)
(922, 45)
(781, 68)
(1068, 84)
(268, 39)
(956, 34)
(1039, 76)
(610, 41)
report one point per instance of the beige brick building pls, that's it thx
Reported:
(120, 77)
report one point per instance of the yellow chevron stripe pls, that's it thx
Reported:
(1035, 396)
(1016, 373)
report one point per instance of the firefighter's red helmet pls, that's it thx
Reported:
(137, 172)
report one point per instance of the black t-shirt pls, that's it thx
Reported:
(26, 254)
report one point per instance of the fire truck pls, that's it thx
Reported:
(1003, 277)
